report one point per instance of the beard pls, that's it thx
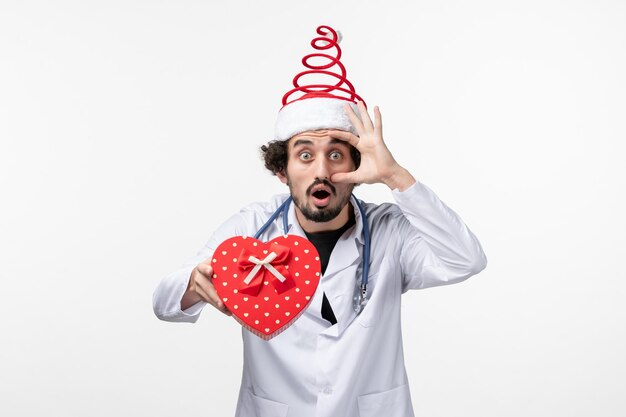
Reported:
(321, 214)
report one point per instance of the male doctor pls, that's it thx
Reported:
(336, 360)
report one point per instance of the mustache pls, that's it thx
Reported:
(324, 182)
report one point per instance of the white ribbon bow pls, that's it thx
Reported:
(264, 263)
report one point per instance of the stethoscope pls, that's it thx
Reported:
(360, 295)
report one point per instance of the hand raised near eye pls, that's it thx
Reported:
(377, 163)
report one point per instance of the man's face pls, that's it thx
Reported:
(313, 157)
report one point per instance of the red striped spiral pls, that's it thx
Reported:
(324, 43)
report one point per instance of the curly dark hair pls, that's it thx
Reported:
(275, 155)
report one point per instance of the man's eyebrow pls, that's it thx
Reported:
(302, 142)
(333, 141)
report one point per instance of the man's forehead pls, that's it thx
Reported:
(314, 137)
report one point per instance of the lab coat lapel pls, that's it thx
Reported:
(340, 280)
(315, 306)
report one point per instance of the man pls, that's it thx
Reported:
(336, 360)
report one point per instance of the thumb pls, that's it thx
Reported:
(344, 177)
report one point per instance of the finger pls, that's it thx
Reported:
(378, 120)
(213, 298)
(204, 287)
(205, 269)
(349, 137)
(365, 117)
(354, 119)
(344, 177)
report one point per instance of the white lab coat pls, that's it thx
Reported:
(355, 367)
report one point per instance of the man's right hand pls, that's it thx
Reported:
(201, 288)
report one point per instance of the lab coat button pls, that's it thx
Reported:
(328, 390)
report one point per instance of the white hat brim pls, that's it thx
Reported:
(313, 114)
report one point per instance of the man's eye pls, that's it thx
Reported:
(335, 156)
(305, 156)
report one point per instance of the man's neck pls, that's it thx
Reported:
(310, 226)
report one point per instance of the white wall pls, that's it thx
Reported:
(129, 130)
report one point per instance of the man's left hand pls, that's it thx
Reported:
(377, 163)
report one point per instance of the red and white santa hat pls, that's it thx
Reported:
(319, 105)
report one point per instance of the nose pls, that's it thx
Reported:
(322, 168)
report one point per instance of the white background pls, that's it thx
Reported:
(130, 129)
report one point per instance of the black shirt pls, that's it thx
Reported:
(324, 242)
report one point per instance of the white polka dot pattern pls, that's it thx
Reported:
(271, 311)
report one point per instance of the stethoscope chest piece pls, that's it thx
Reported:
(360, 298)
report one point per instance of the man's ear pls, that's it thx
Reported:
(281, 176)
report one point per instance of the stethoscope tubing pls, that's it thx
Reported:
(284, 207)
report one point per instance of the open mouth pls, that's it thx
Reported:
(321, 197)
(321, 194)
(321, 191)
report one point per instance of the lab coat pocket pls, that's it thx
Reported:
(268, 408)
(393, 403)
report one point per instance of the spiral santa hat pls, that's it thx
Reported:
(321, 105)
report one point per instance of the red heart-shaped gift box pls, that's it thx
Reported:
(266, 286)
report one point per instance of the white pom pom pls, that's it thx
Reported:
(330, 36)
